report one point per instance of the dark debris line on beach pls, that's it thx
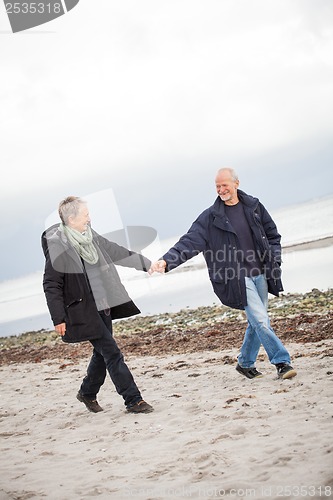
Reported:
(299, 318)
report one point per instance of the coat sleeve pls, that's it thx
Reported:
(272, 234)
(53, 285)
(121, 256)
(189, 245)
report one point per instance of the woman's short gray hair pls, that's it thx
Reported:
(70, 206)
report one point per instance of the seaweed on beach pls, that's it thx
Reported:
(299, 318)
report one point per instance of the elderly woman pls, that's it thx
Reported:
(84, 293)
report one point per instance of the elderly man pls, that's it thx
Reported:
(241, 246)
(84, 293)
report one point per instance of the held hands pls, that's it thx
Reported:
(158, 266)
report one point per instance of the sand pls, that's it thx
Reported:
(213, 434)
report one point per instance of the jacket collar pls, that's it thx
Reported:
(218, 208)
(247, 199)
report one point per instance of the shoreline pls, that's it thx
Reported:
(305, 262)
(299, 318)
(322, 242)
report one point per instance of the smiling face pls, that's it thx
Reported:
(226, 186)
(81, 221)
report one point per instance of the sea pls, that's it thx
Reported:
(307, 242)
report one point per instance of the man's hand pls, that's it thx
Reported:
(61, 329)
(158, 266)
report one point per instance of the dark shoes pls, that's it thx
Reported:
(91, 404)
(140, 407)
(285, 371)
(248, 372)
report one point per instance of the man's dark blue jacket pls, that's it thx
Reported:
(213, 235)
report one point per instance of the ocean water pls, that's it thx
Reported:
(23, 307)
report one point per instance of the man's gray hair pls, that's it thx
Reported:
(70, 206)
(233, 172)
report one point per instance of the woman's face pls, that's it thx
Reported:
(81, 221)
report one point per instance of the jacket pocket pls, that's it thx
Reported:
(228, 292)
(75, 301)
(273, 271)
(222, 275)
(76, 312)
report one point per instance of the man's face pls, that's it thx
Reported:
(81, 221)
(226, 187)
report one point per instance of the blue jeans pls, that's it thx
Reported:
(259, 330)
(108, 357)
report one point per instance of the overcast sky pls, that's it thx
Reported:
(149, 98)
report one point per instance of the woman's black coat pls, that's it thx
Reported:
(66, 287)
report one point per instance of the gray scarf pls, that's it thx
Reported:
(83, 243)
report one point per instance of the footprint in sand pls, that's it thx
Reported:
(238, 431)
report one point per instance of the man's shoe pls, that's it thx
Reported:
(140, 407)
(91, 404)
(248, 372)
(285, 371)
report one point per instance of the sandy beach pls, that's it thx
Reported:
(213, 434)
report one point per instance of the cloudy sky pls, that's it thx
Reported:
(149, 98)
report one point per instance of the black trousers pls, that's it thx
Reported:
(108, 357)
